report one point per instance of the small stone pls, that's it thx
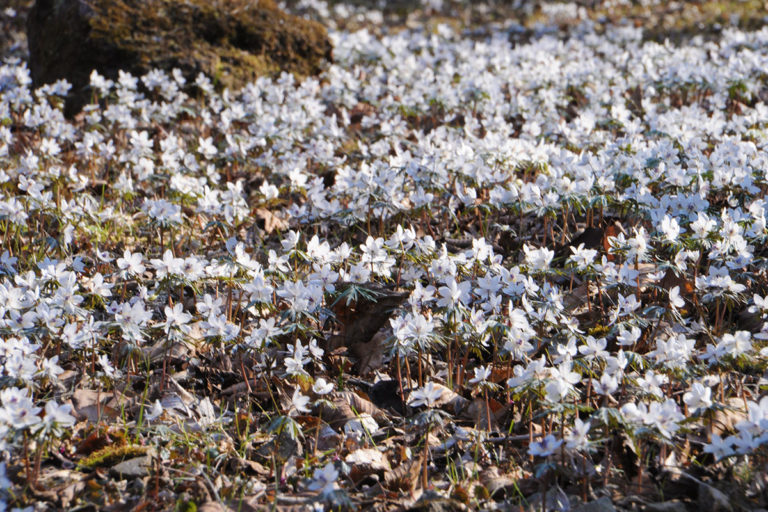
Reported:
(132, 468)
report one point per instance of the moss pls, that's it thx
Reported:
(680, 21)
(234, 41)
(599, 331)
(186, 506)
(111, 455)
(676, 21)
(238, 40)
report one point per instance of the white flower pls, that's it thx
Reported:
(607, 384)
(670, 228)
(454, 294)
(593, 348)
(745, 442)
(481, 375)
(557, 390)
(698, 397)
(321, 387)
(427, 395)
(294, 365)
(290, 241)
(154, 412)
(702, 226)
(176, 318)
(109, 371)
(18, 409)
(537, 259)
(546, 447)
(299, 402)
(738, 343)
(206, 147)
(582, 257)
(578, 438)
(628, 304)
(209, 306)
(324, 479)
(665, 417)
(674, 298)
(269, 191)
(719, 447)
(629, 337)
(58, 415)
(97, 286)
(638, 244)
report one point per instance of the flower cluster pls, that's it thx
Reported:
(580, 225)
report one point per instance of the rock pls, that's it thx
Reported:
(667, 506)
(713, 499)
(556, 501)
(603, 504)
(212, 506)
(432, 501)
(282, 447)
(385, 394)
(132, 468)
(231, 41)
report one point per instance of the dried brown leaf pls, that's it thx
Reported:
(724, 421)
(176, 352)
(212, 506)
(478, 412)
(365, 462)
(360, 405)
(370, 354)
(94, 406)
(404, 477)
(450, 401)
(270, 219)
(495, 482)
(60, 486)
(361, 319)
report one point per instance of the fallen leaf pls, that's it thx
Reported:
(404, 477)
(386, 395)
(93, 442)
(346, 406)
(213, 506)
(360, 427)
(724, 420)
(365, 462)
(269, 221)
(450, 401)
(496, 483)
(362, 310)
(478, 412)
(94, 406)
(370, 354)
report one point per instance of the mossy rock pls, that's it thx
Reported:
(232, 41)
